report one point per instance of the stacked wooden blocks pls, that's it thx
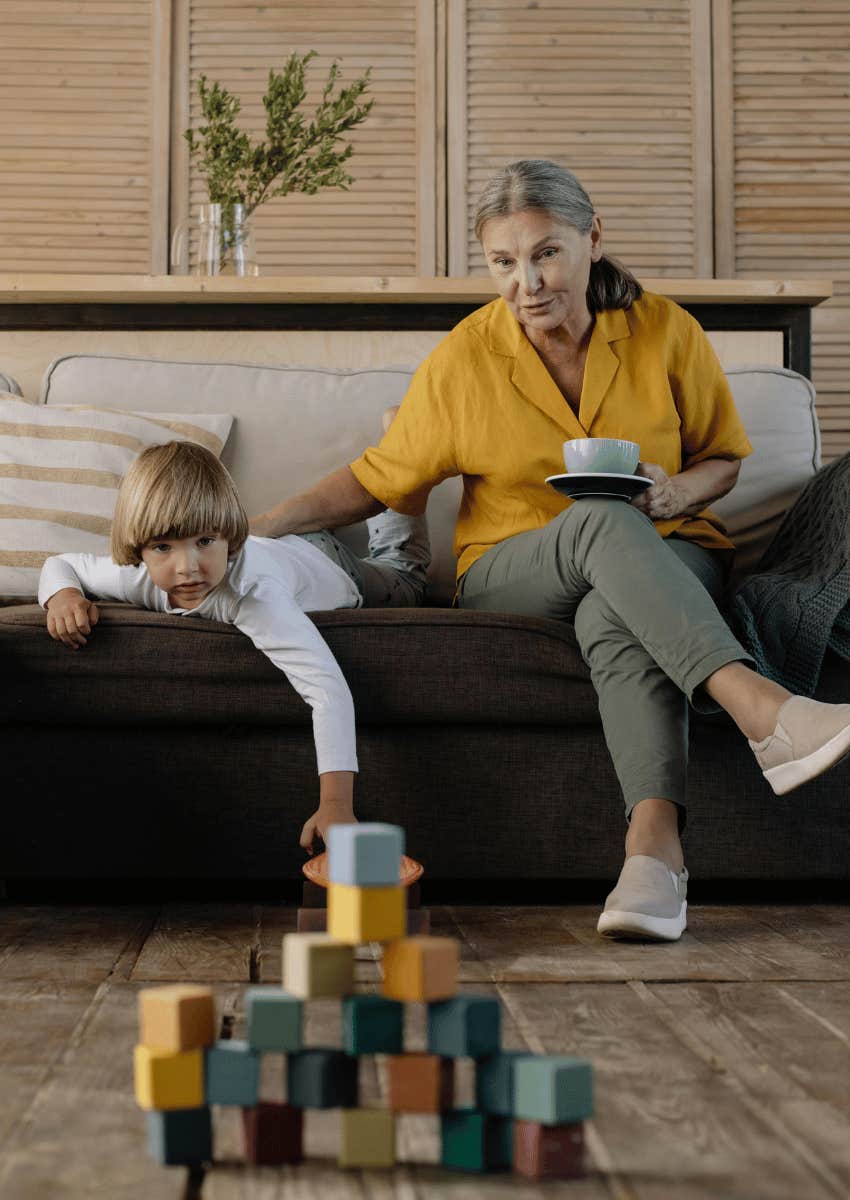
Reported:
(529, 1109)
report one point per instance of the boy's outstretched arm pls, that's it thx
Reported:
(336, 807)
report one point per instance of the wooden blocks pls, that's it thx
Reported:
(475, 1141)
(365, 914)
(273, 1134)
(316, 964)
(421, 968)
(494, 1082)
(321, 1077)
(548, 1151)
(553, 1089)
(232, 1074)
(169, 1078)
(465, 1026)
(181, 1017)
(365, 855)
(181, 1137)
(529, 1108)
(275, 1020)
(372, 1025)
(367, 1138)
(420, 1082)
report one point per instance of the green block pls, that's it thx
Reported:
(367, 854)
(372, 1025)
(275, 1020)
(475, 1141)
(553, 1089)
(321, 1077)
(494, 1082)
(180, 1137)
(232, 1073)
(464, 1026)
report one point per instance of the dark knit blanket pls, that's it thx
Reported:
(797, 603)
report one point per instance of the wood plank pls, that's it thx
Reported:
(81, 1134)
(83, 944)
(200, 943)
(669, 1121)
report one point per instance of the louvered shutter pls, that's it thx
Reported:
(616, 90)
(787, 153)
(372, 228)
(77, 136)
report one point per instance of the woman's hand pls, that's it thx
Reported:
(666, 498)
(71, 617)
(336, 807)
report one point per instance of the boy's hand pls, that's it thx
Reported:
(318, 824)
(71, 617)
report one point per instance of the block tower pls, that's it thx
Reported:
(529, 1109)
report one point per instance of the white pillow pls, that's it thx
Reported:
(60, 468)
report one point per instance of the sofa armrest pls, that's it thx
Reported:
(9, 384)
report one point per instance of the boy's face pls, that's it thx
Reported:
(187, 569)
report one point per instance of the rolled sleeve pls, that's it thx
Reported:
(417, 451)
(711, 426)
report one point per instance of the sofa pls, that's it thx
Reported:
(173, 750)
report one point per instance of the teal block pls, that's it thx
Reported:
(553, 1089)
(180, 1137)
(474, 1141)
(321, 1077)
(372, 1025)
(464, 1026)
(494, 1082)
(232, 1073)
(275, 1020)
(365, 855)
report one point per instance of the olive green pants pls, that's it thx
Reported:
(645, 620)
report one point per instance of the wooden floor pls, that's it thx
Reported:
(722, 1063)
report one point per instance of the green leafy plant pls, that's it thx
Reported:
(296, 155)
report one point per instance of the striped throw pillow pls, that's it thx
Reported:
(60, 468)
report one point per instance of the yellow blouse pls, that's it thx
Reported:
(484, 406)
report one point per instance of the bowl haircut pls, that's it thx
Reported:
(176, 490)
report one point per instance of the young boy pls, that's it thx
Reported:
(180, 544)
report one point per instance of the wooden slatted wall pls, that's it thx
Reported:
(788, 211)
(76, 132)
(371, 229)
(616, 90)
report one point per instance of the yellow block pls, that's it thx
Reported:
(316, 964)
(421, 968)
(177, 1017)
(168, 1079)
(366, 914)
(367, 1137)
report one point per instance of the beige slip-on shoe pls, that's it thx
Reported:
(649, 902)
(809, 738)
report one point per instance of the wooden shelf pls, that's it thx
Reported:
(35, 288)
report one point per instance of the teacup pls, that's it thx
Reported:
(614, 455)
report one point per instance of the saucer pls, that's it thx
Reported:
(316, 870)
(578, 484)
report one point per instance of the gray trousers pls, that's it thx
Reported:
(645, 620)
(393, 573)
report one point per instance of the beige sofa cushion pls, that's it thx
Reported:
(295, 424)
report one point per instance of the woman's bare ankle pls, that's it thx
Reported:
(752, 701)
(654, 830)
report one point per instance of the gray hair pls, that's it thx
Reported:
(538, 183)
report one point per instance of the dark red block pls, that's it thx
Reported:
(548, 1151)
(315, 920)
(273, 1134)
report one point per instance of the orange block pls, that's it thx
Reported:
(178, 1017)
(421, 968)
(420, 1082)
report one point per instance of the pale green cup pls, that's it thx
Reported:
(614, 455)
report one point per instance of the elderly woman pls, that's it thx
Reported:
(574, 348)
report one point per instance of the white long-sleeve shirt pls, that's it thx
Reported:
(267, 589)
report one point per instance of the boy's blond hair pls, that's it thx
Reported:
(178, 490)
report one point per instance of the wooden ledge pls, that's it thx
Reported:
(35, 288)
